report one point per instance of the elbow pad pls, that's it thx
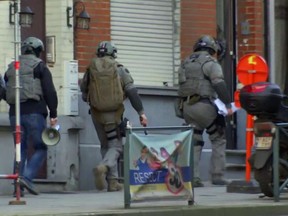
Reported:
(135, 100)
(223, 93)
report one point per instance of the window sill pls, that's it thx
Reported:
(158, 91)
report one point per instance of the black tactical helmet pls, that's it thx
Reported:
(106, 48)
(205, 41)
(32, 45)
(221, 48)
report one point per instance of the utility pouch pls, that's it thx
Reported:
(193, 99)
(122, 127)
(178, 106)
(220, 123)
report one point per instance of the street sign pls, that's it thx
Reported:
(252, 68)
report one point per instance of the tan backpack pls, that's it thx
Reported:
(105, 88)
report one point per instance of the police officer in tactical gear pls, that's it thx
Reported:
(201, 81)
(37, 92)
(109, 133)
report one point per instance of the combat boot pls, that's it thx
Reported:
(100, 173)
(197, 182)
(113, 185)
(219, 180)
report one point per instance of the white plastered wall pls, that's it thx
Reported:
(6, 44)
(56, 25)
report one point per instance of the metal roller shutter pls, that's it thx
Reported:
(147, 37)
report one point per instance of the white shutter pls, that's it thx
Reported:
(144, 33)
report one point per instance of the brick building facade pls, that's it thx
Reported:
(197, 18)
(152, 37)
(251, 27)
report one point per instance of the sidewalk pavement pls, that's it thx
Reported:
(209, 200)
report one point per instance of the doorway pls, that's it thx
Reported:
(36, 30)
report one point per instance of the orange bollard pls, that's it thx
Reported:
(237, 98)
(249, 145)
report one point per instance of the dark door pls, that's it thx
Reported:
(38, 25)
(229, 67)
(36, 30)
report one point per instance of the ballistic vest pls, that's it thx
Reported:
(30, 87)
(192, 80)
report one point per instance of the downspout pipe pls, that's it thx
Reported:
(230, 65)
(270, 38)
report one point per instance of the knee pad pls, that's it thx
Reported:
(112, 134)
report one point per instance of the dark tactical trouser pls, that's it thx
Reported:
(110, 148)
(203, 116)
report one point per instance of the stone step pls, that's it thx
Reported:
(236, 156)
(235, 166)
(237, 152)
(54, 185)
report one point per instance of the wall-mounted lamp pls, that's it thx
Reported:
(82, 18)
(25, 16)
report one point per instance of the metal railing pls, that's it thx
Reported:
(277, 188)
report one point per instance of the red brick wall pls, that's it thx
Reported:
(198, 17)
(252, 12)
(86, 41)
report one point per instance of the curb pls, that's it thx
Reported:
(260, 210)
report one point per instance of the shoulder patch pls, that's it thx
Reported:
(123, 68)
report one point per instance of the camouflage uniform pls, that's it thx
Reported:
(197, 77)
(109, 133)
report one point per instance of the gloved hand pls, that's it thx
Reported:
(143, 120)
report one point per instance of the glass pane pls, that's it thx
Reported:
(26, 20)
(82, 23)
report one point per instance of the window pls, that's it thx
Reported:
(145, 33)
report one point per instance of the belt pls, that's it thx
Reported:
(202, 99)
(205, 100)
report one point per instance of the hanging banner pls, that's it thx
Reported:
(160, 166)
